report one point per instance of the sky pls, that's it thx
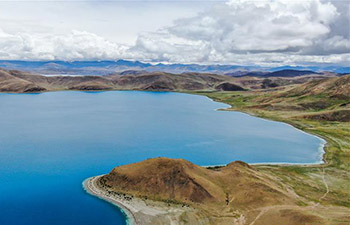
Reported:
(243, 32)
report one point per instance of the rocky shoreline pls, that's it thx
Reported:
(138, 211)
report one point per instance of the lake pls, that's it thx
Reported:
(51, 142)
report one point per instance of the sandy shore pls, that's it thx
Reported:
(140, 211)
(91, 188)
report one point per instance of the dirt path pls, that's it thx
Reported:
(262, 212)
(326, 185)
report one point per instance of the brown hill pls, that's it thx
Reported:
(52, 83)
(160, 178)
(182, 181)
(9, 83)
(171, 82)
(221, 194)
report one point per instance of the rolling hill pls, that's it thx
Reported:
(18, 81)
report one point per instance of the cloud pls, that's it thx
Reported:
(243, 29)
(268, 32)
(245, 26)
(77, 45)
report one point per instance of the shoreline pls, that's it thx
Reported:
(89, 185)
(138, 211)
(321, 148)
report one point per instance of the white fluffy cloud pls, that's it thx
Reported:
(77, 45)
(263, 32)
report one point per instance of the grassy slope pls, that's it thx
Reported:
(327, 184)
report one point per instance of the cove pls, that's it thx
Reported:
(51, 142)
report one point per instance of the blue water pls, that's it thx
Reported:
(51, 142)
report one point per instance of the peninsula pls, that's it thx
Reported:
(175, 191)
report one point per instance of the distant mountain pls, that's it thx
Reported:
(335, 69)
(111, 67)
(290, 73)
(278, 73)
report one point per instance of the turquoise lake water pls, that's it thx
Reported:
(51, 142)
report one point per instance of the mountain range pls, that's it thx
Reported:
(111, 67)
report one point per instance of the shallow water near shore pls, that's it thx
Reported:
(51, 142)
